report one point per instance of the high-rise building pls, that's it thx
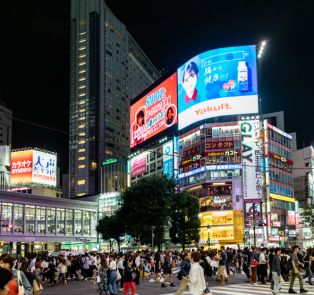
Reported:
(5, 125)
(107, 70)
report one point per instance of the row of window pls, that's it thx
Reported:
(46, 220)
(279, 164)
(279, 138)
(279, 151)
(273, 175)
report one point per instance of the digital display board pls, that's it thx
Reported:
(154, 112)
(218, 82)
(33, 166)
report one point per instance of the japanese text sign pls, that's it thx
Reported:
(138, 165)
(221, 145)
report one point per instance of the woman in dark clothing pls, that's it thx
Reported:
(51, 271)
(128, 278)
(271, 258)
(167, 270)
(29, 275)
(103, 274)
(157, 265)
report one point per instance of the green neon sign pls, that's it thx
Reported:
(109, 161)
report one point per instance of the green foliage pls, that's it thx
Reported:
(111, 227)
(184, 218)
(307, 216)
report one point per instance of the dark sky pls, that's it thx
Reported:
(34, 55)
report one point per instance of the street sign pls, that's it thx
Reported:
(84, 241)
(246, 232)
(243, 239)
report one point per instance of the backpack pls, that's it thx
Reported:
(208, 270)
(288, 264)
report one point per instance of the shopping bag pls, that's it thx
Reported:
(21, 288)
(118, 276)
(98, 279)
(37, 288)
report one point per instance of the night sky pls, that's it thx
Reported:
(35, 51)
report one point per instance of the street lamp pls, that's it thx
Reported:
(261, 48)
(208, 237)
(153, 227)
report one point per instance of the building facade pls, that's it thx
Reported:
(107, 70)
(31, 223)
(5, 125)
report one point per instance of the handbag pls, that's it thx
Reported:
(21, 288)
(214, 263)
(118, 276)
(253, 262)
(98, 279)
(37, 288)
(180, 275)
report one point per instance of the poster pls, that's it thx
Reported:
(138, 165)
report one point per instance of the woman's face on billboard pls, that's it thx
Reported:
(190, 80)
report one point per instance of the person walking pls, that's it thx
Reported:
(222, 265)
(157, 266)
(113, 275)
(85, 269)
(128, 278)
(276, 272)
(196, 280)
(246, 264)
(167, 271)
(307, 265)
(120, 267)
(253, 260)
(103, 275)
(295, 270)
(229, 254)
(61, 268)
(185, 271)
(263, 265)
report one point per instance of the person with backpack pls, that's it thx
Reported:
(294, 267)
(246, 264)
(253, 260)
(276, 272)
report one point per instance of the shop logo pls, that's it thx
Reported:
(216, 131)
(167, 150)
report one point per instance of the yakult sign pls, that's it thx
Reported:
(251, 156)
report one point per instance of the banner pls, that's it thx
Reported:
(167, 158)
(251, 156)
(138, 165)
(220, 145)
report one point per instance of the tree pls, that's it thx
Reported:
(147, 204)
(185, 222)
(307, 216)
(111, 227)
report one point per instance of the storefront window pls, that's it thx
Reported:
(69, 222)
(218, 233)
(30, 219)
(7, 216)
(86, 223)
(41, 220)
(78, 222)
(212, 203)
(216, 218)
(19, 218)
(60, 221)
(51, 222)
(93, 224)
(307, 233)
(273, 217)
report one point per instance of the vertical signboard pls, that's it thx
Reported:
(21, 167)
(167, 150)
(251, 157)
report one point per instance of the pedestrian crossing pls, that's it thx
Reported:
(249, 289)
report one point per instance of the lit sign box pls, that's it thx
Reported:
(279, 131)
(154, 112)
(222, 167)
(275, 224)
(216, 83)
(282, 159)
(282, 198)
(273, 239)
(109, 161)
(202, 169)
(222, 153)
(33, 166)
(292, 233)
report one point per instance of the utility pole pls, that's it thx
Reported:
(254, 224)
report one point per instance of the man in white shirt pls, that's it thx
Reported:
(263, 265)
(120, 268)
(137, 264)
(32, 264)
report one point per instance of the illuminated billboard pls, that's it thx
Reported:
(33, 166)
(218, 82)
(138, 165)
(154, 112)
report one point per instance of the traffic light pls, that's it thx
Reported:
(10, 225)
(262, 224)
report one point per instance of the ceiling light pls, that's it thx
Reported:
(263, 43)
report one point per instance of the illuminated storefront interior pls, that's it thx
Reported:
(218, 233)
(216, 218)
(211, 203)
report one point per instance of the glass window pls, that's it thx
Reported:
(41, 219)
(30, 219)
(78, 222)
(86, 223)
(51, 223)
(19, 218)
(81, 182)
(216, 218)
(7, 216)
(93, 224)
(212, 203)
(69, 222)
(60, 221)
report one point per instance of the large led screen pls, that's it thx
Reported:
(218, 82)
(154, 112)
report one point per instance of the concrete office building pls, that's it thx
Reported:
(5, 125)
(107, 70)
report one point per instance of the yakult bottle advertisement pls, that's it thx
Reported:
(155, 112)
(217, 83)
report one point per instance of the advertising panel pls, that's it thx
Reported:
(251, 155)
(167, 158)
(275, 224)
(253, 211)
(21, 167)
(297, 218)
(33, 166)
(220, 145)
(44, 168)
(291, 217)
(155, 112)
(222, 153)
(138, 165)
(192, 151)
(218, 82)
(279, 131)
(221, 132)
